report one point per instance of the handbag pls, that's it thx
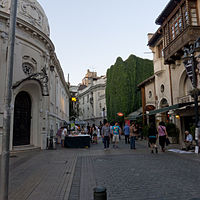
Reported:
(167, 141)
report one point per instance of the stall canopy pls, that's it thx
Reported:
(173, 107)
(77, 122)
(135, 115)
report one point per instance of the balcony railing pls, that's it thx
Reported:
(174, 50)
(185, 99)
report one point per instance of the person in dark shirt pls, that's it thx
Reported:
(105, 132)
(152, 137)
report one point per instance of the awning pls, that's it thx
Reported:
(135, 115)
(173, 107)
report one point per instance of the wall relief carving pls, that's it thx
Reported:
(27, 68)
(32, 13)
(3, 3)
(41, 77)
(29, 65)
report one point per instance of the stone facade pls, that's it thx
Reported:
(92, 101)
(40, 95)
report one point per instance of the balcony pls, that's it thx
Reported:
(174, 51)
(158, 66)
(185, 99)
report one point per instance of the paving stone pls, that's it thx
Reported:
(71, 174)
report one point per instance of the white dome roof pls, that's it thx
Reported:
(29, 11)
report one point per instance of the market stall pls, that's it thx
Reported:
(77, 141)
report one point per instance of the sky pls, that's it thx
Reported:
(91, 34)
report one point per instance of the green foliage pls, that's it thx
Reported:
(121, 89)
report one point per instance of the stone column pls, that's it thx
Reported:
(44, 124)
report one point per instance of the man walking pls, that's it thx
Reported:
(132, 136)
(116, 131)
(106, 135)
(126, 133)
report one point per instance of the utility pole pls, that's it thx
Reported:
(190, 65)
(4, 176)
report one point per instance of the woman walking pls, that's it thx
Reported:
(152, 137)
(162, 132)
(94, 133)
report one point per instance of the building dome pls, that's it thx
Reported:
(29, 11)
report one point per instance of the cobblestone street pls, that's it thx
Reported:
(127, 174)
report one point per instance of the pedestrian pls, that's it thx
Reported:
(136, 131)
(126, 133)
(188, 140)
(111, 136)
(152, 137)
(64, 133)
(116, 131)
(94, 133)
(106, 135)
(140, 131)
(132, 136)
(58, 135)
(162, 132)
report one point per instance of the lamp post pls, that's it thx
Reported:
(190, 63)
(4, 176)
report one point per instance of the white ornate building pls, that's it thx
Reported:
(92, 101)
(40, 95)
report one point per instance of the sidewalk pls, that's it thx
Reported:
(42, 175)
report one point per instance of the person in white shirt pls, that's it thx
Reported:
(188, 140)
(64, 133)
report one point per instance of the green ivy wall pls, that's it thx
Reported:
(121, 89)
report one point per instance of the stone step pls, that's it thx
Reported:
(23, 148)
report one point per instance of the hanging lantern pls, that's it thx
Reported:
(120, 114)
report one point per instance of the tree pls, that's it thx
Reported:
(121, 88)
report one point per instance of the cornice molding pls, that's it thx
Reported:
(25, 26)
(92, 88)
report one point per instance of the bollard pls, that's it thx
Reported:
(100, 193)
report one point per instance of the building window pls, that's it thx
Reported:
(150, 94)
(176, 25)
(193, 13)
(162, 88)
(185, 16)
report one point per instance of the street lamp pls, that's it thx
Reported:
(4, 180)
(190, 63)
